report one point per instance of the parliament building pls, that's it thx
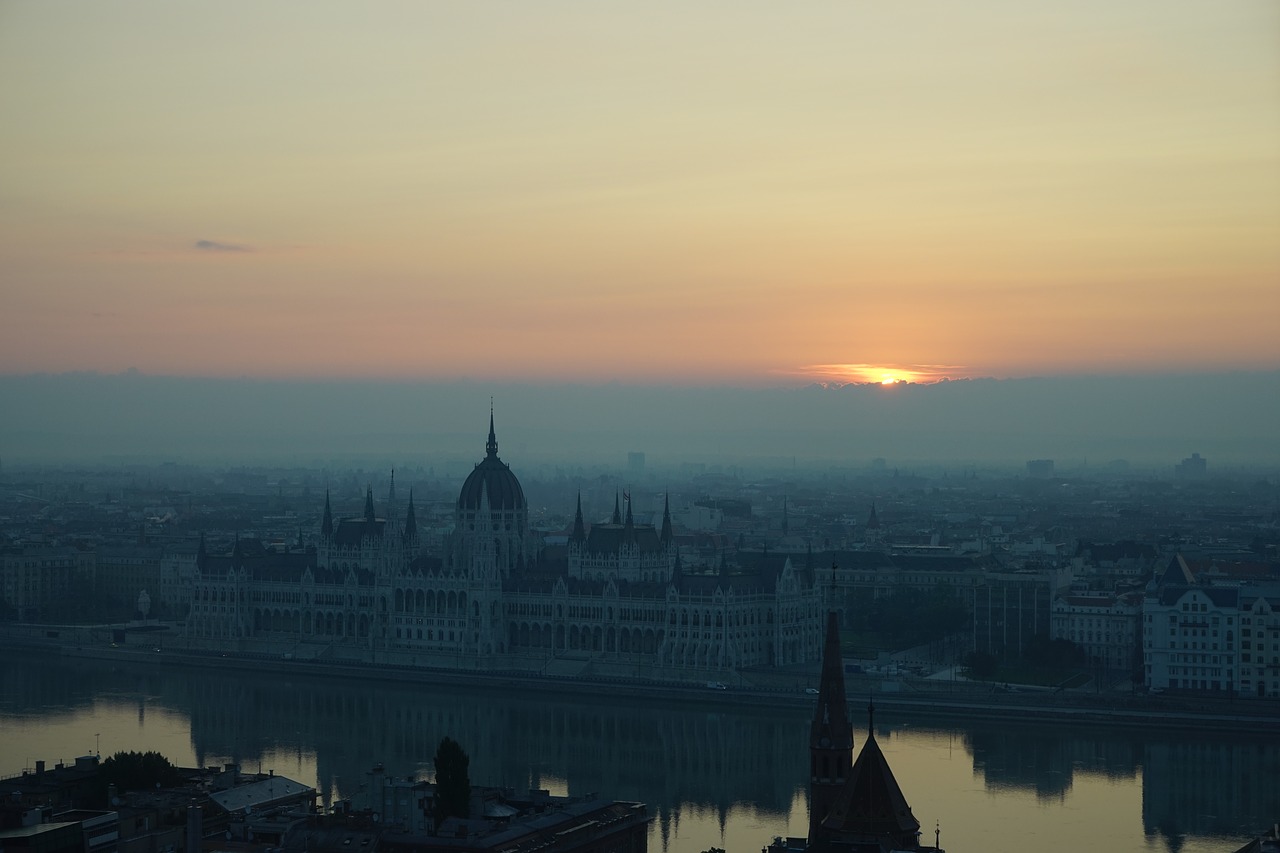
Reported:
(617, 599)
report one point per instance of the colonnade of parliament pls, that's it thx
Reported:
(495, 597)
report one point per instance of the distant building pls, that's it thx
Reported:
(616, 595)
(1040, 469)
(1107, 626)
(38, 581)
(1211, 633)
(1013, 607)
(1194, 467)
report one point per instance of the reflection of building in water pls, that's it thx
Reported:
(1209, 787)
(633, 751)
(1045, 761)
(617, 596)
(852, 807)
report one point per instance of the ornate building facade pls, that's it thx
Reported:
(494, 597)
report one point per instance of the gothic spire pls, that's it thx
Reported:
(579, 528)
(630, 529)
(368, 504)
(666, 535)
(391, 495)
(830, 734)
(491, 449)
(617, 510)
(410, 521)
(326, 526)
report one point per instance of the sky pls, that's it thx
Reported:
(743, 193)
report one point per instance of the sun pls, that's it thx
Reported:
(889, 380)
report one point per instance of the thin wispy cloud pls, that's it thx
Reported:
(215, 246)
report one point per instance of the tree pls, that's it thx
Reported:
(453, 786)
(136, 771)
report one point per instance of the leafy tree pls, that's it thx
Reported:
(453, 786)
(136, 771)
(1059, 654)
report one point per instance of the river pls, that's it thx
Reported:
(713, 775)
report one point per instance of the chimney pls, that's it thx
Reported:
(39, 769)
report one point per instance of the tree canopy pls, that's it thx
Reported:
(453, 785)
(136, 771)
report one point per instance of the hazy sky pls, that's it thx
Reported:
(741, 192)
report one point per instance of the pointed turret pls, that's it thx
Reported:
(391, 492)
(786, 527)
(617, 510)
(491, 447)
(368, 504)
(326, 526)
(666, 535)
(873, 520)
(579, 527)
(830, 734)
(410, 521)
(629, 526)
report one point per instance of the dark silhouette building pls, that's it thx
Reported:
(853, 808)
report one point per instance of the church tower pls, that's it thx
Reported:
(830, 734)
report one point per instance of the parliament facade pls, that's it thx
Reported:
(494, 597)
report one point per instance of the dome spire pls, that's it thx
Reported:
(492, 447)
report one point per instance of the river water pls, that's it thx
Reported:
(712, 775)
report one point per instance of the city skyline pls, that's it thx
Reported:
(744, 195)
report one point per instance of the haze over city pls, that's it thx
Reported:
(644, 409)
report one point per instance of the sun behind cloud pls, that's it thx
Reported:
(880, 374)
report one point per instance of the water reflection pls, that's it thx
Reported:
(708, 773)
(1043, 761)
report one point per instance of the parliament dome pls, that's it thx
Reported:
(493, 477)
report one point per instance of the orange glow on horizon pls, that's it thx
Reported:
(882, 374)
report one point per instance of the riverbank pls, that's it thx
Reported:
(915, 698)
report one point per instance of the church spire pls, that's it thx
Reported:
(579, 528)
(326, 526)
(491, 448)
(830, 734)
(666, 535)
(617, 510)
(629, 530)
(368, 504)
(410, 521)
(391, 494)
